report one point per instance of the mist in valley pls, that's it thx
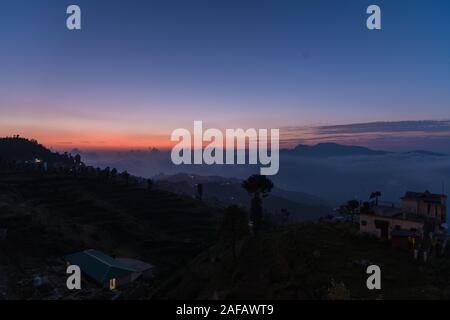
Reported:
(334, 179)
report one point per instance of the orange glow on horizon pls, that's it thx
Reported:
(66, 141)
(111, 142)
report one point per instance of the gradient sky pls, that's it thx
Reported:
(140, 69)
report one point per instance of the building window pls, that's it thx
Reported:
(363, 222)
(112, 284)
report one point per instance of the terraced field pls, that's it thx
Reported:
(49, 216)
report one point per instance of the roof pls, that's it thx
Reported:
(427, 195)
(98, 265)
(139, 266)
(390, 212)
(387, 211)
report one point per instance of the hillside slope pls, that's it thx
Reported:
(222, 191)
(49, 216)
(307, 261)
(21, 149)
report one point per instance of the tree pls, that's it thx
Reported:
(98, 173)
(199, 191)
(113, 173)
(259, 187)
(107, 173)
(126, 176)
(234, 226)
(78, 160)
(365, 208)
(351, 207)
(375, 195)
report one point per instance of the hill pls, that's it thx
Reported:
(23, 150)
(321, 260)
(221, 191)
(52, 215)
(47, 214)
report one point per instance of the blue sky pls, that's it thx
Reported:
(139, 69)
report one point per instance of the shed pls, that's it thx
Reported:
(102, 268)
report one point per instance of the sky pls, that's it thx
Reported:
(140, 69)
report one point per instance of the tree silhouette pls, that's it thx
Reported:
(375, 195)
(113, 173)
(365, 208)
(126, 177)
(351, 207)
(107, 173)
(259, 187)
(78, 160)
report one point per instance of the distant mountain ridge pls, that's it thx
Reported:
(331, 149)
(327, 149)
(227, 191)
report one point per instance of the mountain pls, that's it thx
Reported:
(227, 191)
(324, 150)
(331, 150)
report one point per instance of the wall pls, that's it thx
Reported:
(370, 227)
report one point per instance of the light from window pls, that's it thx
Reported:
(112, 284)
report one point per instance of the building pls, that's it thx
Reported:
(418, 220)
(103, 269)
(381, 220)
(426, 204)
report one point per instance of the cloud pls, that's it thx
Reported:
(428, 126)
(397, 136)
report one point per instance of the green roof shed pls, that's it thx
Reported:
(99, 266)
